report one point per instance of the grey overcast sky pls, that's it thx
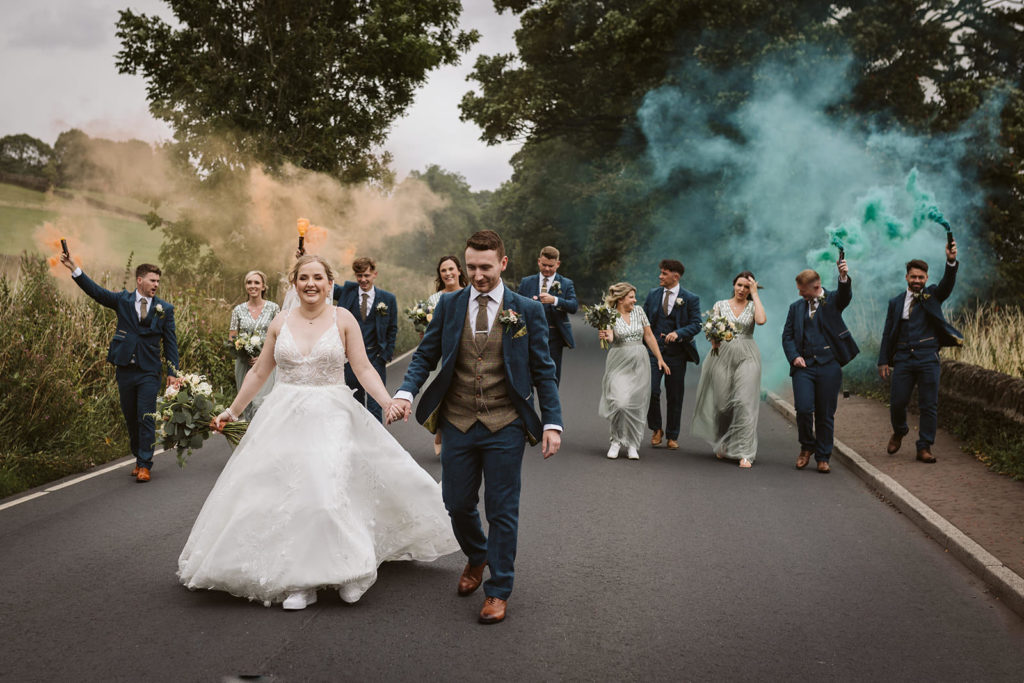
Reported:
(57, 72)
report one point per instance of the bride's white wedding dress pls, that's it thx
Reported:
(317, 494)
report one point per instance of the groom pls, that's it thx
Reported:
(558, 295)
(144, 323)
(493, 347)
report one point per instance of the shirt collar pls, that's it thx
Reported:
(674, 291)
(139, 297)
(496, 294)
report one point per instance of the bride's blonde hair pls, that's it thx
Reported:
(618, 292)
(310, 258)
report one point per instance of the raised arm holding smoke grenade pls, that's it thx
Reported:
(915, 329)
(145, 325)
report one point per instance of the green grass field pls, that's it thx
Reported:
(23, 211)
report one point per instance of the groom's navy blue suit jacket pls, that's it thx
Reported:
(135, 338)
(528, 361)
(386, 326)
(843, 347)
(945, 333)
(558, 315)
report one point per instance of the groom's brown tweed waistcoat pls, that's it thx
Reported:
(479, 390)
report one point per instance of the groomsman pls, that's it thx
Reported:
(817, 344)
(674, 314)
(492, 345)
(144, 324)
(559, 298)
(914, 330)
(376, 311)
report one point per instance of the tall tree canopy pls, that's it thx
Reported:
(315, 83)
(582, 69)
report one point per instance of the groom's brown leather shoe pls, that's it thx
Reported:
(493, 611)
(803, 459)
(894, 443)
(672, 444)
(925, 455)
(471, 578)
(143, 475)
(135, 471)
(656, 437)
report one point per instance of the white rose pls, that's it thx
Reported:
(171, 392)
(204, 388)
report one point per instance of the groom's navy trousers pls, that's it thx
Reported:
(499, 457)
(138, 389)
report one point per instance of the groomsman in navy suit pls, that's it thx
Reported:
(674, 314)
(915, 329)
(817, 344)
(559, 298)
(377, 313)
(493, 348)
(144, 324)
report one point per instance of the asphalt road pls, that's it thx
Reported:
(674, 567)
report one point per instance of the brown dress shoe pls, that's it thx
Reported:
(894, 443)
(925, 455)
(471, 578)
(135, 471)
(656, 437)
(672, 444)
(803, 459)
(493, 611)
(823, 467)
(143, 475)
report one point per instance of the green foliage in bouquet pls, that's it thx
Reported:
(601, 317)
(184, 414)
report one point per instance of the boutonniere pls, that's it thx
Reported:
(555, 288)
(920, 296)
(820, 299)
(511, 321)
(679, 301)
(159, 308)
(382, 309)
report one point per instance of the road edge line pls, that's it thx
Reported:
(1002, 581)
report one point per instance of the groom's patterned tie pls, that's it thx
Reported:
(481, 319)
(544, 287)
(142, 309)
(362, 309)
(664, 304)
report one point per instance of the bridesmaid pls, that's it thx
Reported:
(626, 388)
(729, 393)
(252, 316)
(450, 278)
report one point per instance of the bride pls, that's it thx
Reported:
(317, 494)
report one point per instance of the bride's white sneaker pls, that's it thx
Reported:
(299, 600)
(613, 452)
(632, 454)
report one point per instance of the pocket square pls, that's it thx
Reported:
(520, 333)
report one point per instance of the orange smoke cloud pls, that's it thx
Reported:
(48, 236)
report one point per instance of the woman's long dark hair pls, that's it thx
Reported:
(747, 274)
(462, 275)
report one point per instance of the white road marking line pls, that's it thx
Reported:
(22, 500)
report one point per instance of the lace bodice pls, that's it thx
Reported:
(744, 322)
(242, 321)
(633, 333)
(324, 364)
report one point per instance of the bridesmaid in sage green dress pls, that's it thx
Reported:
(252, 316)
(729, 392)
(626, 387)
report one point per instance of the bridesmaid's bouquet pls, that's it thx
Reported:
(601, 317)
(718, 328)
(184, 413)
(420, 314)
(248, 346)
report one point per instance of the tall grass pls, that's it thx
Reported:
(993, 338)
(59, 409)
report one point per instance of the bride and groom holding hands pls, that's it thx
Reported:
(318, 493)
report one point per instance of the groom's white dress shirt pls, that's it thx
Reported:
(673, 294)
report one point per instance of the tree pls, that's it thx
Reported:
(24, 155)
(315, 83)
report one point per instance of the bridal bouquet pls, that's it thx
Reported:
(601, 317)
(420, 314)
(248, 346)
(183, 415)
(718, 328)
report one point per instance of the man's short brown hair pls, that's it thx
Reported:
(363, 264)
(672, 265)
(549, 252)
(145, 269)
(917, 263)
(486, 240)
(806, 277)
